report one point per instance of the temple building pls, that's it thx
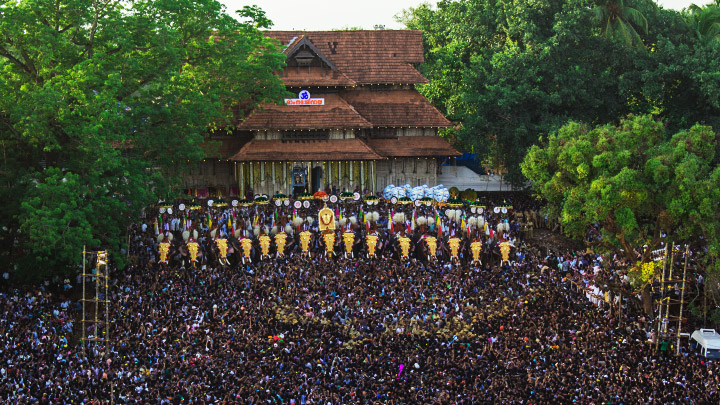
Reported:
(355, 121)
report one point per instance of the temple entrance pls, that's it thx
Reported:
(316, 178)
(299, 180)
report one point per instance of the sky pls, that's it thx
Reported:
(318, 15)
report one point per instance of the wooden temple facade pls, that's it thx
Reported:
(355, 121)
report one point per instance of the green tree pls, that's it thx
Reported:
(635, 183)
(705, 21)
(619, 21)
(510, 72)
(101, 102)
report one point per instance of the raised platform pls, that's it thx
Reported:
(462, 178)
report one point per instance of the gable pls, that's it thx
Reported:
(364, 57)
(304, 53)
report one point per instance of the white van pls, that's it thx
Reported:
(707, 341)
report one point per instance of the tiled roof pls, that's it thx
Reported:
(407, 146)
(396, 108)
(276, 150)
(365, 57)
(227, 145)
(336, 113)
(305, 77)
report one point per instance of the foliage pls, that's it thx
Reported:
(511, 72)
(618, 21)
(634, 182)
(705, 21)
(101, 101)
(645, 273)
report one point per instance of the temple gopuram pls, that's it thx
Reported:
(355, 122)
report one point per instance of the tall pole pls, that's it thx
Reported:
(106, 338)
(704, 303)
(82, 324)
(682, 300)
(662, 296)
(667, 308)
(96, 332)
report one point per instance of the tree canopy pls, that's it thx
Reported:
(510, 72)
(634, 182)
(101, 100)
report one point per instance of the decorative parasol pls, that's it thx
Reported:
(454, 202)
(404, 200)
(193, 206)
(371, 200)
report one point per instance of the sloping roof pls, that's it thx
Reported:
(304, 77)
(304, 41)
(366, 57)
(277, 150)
(398, 108)
(336, 113)
(408, 146)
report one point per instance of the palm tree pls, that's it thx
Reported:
(619, 21)
(705, 21)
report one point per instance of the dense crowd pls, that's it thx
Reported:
(328, 329)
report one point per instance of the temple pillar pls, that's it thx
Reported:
(262, 174)
(272, 177)
(362, 177)
(252, 176)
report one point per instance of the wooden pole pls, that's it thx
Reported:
(662, 294)
(83, 299)
(107, 312)
(682, 301)
(670, 271)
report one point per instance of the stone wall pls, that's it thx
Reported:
(400, 171)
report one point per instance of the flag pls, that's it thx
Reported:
(438, 225)
(157, 230)
(390, 222)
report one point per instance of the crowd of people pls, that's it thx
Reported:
(330, 329)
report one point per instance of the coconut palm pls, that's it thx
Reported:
(705, 21)
(620, 21)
